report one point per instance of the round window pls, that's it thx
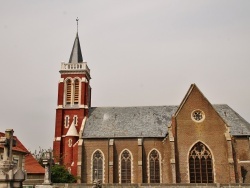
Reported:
(198, 115)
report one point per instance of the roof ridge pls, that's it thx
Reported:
(134, 106)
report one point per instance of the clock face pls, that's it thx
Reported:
(198, 115)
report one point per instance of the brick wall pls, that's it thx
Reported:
(242, 158)
(210, 132)
(64, 154)
(139, 149)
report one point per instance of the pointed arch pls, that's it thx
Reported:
(125, 173)
(154, 168)
(98, 165)
(200, 164)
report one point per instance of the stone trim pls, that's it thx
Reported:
(60, 107)
(84, 79)
(111, 142)
(243, 161)
(75, 123)
(66, 121)
(103, 166)
(72, 92)
(160, 165)
(70, 143)
(172, 159)
(132, 168)
(61, 80)
(57, 138)
(139, 141)
(213, 160)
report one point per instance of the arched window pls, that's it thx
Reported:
(76, 92)
(200, 164)
(98, 166)
(125, 167)
(154, 167)
(68, 91)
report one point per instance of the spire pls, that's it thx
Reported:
(76, 53)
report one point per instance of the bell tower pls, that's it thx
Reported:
(74, 99)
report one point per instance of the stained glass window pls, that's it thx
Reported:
(98, 166)
(200, 164)
(154, 167)
(125, 167)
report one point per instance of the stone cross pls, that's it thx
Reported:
(8, 142)
(11, 176)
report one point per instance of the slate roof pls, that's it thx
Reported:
(148, 121)
(238, 125)
(76, 53)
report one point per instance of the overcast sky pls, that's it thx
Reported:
(140, 52)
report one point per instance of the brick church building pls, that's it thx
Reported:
(193, 142)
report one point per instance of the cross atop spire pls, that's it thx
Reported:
(76, 53)
(77, 19)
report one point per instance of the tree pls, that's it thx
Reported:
(59, 174)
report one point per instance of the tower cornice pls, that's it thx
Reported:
(79, 68)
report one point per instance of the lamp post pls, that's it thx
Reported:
(47, 161)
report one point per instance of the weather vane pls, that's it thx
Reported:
(77, 19)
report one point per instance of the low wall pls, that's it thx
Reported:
(212, 185)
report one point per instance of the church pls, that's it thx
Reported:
(193, 142)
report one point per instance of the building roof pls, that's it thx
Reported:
(19, 146)
(238, 125)
(148, 121)
(31, 165)
(76, 53)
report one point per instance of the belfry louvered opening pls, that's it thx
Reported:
(200, 164)
(68, 91)
(76, 92)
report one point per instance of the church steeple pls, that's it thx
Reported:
(74, 101)
(76, 53)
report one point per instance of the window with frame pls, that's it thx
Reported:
(154, 167)
(68, 92)
(97, 166)
(70, 142)
(125, 167)
(200, 164)
(76, 92)
(75, 119)
(66, 121)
